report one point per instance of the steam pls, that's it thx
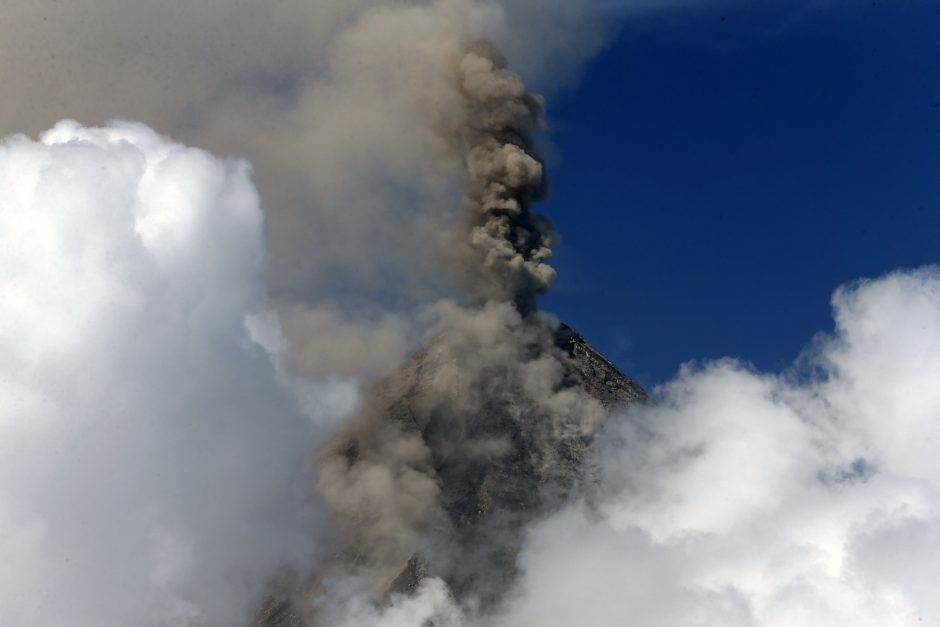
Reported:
(153, 471)
(809, 497)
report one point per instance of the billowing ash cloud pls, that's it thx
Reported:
(153, 471)
(339, 105)
(450, 456)
(405, 146)
(509, 244)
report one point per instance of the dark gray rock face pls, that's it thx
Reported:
(488, 499)
(496, 450)
(279, 613)
(593, 373)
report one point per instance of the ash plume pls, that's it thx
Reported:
(487, 426)
(391, 158)
(508, 244)
(337, 103)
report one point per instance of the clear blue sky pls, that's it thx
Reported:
(723, 169)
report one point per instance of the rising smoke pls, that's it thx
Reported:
(346, 108)
(411, 479)
(356, 116)
(509, 244)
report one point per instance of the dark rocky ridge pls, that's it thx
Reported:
(595, 374)
(490, 500)
(499, 462)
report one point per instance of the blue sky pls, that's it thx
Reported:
(720, 170)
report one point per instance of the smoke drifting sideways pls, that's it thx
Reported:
(154, 466)
(339, 104)
(810, 497)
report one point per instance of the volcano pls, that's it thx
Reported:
(489, 499)
(488, 427)
(453, 454)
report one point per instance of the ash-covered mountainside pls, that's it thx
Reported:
(595, 373)
(488, 499)
(455, 452)
(487, 427)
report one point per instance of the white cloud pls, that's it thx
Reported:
(808, 498)
(152, 469)
(430, 604)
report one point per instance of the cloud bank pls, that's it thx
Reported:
(153, 470)
(806, 498)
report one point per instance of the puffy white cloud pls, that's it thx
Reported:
(741, 498)
(430, 604)
(153, 471)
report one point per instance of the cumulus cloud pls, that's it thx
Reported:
(806, 498)
(153, 469)
(432, 603)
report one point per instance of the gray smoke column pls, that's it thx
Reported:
(340, 105)
(509, 244)
(487, 426)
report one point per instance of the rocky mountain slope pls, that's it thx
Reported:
(489, 499)
(490, 450)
